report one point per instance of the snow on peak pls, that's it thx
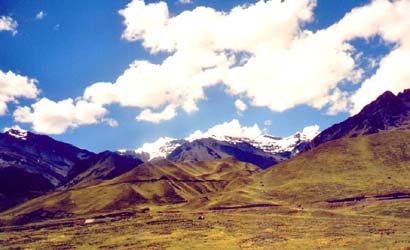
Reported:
(233, 132)
(227, 129)
(160, 148)
(311, 131)
(16, 132)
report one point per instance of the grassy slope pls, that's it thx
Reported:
(367, 165)
(150, 185)
(370, 165)
(364, 166)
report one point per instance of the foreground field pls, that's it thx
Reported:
(249, 228)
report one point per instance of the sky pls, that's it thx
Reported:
(108, 75)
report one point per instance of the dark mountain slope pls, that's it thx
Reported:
(39, 154)
(103, 166)
(211, 149)
(155, 185)
(32, 164)
(387, 112)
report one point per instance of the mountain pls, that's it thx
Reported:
(387, 112)
(103, 166)
(39, 154)
(370, 170)
(157, 184)
(266, 145)
(211, 149)
(362, 175)
(32, 164)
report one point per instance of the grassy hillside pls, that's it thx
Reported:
(152, 185)
(366, 175)
(351, 169)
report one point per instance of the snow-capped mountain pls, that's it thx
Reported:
(269, 144)
(17, 132)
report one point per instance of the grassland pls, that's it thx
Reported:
(346, 194)
(254, 228)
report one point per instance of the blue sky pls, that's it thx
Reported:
(74, 44)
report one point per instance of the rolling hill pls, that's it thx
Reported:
(372, 167)
(154, 185)
(103, 166)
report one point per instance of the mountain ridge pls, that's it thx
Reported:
(387, 112)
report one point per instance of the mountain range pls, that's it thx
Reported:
(262, 150)
(364, 156)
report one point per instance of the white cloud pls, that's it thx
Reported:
(51, 117)
(110, 122)
(232, 128)
(393, 73)
(40, 15)
(185, 1)
(311, 131)
(282, 67)
(155, 149)
(198, 42)
(180, 80)
(14, 127)
(8, 24)
(260, 51)
(240, 105)
(155, 117)
(13, 86)
(267, 123)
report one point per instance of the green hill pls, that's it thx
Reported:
(151, 185)
(367, 174)
(365, 170)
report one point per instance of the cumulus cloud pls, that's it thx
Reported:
(40, 15)
(240, 106)
(262, 52)
(185, 1)
(392, 73)
(14, 127)
(155, 117)
(232, 128)
(110, 122)
(8, 24)
(13, 86)
(202, 46)
(281, 67)
(51, 117)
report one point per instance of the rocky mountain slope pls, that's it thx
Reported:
(32, 164)
(103, 166)
(39, 154)
(387, 112)
(211, 149)
(273, 149)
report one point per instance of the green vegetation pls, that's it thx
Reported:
(371, 165)
(257, 228)
(352, 193)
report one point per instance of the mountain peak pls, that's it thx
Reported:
(164, 147)
(17, 132)
(387, 112)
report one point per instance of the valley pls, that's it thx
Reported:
(350, 192)
(251, 228)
